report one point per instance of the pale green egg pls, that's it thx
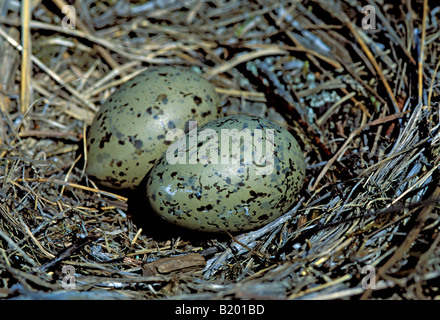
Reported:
(128, 133)
(232, 174)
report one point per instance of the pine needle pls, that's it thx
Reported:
(26, 64)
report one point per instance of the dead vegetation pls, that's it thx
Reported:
(362, 103)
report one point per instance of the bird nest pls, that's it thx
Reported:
(357, 88)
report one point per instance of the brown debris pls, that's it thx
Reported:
(181, 263)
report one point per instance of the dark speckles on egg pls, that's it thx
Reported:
(132, 124)
(206, 114)
(197, 100)
(229, 197)
(104, 139)
(162, 98)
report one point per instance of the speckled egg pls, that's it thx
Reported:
(128, 133)
(232, 174)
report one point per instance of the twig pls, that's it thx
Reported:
(66, 178)
(67, 252)
(422, 45)
(51, 134)
(26, 66)
(35, 240)
(258, 254)
(332, 109)
(78, 186)
(243, 58)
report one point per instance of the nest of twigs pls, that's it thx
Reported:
(363, 104)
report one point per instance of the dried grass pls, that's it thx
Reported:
(363, 105)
